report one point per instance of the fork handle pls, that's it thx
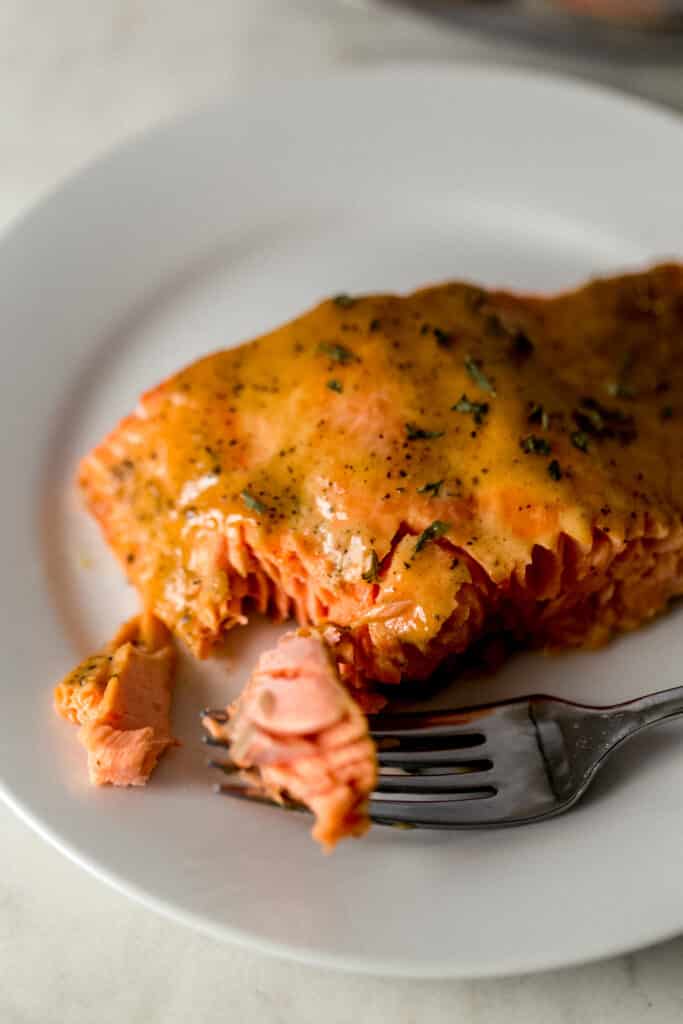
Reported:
(577, 739)
(651, 709)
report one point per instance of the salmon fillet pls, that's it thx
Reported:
(121, 698)
(298, 733)
(414, 473)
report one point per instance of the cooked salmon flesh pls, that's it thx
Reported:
(121, 698)
(298, 733)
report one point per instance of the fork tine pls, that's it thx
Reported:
(452, 782)
(457, 768)
(456, 810)
(239, 792)
(433, 723)
(429, 739)
(256, 796)
(416, 759)
(227, 767)
(434, 778)
(218, 715)
(211, 741)
(408, 814)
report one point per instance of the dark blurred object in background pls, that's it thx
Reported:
(618, 28)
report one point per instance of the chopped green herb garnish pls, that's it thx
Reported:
(253, 503)
(478, 376)
(432, 488)
(579, 438)
(522, 346)
(415, 433)
(537, 414)
(554, 470)
(597, 421)
(343, 300)
(434, 530)
(533, 445)
(371, 574)
(478, 409)
(592, 412)
(339, 353)
(443, 338)
(618, 389)
(335, 385)
(666, 412)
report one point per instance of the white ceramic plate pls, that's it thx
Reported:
(200, 235)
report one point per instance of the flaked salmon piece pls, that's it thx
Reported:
(121, 698)
(298, 733)
(414, 473)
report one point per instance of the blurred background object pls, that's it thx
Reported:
(619, 29)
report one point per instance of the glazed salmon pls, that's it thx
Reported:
(297, 733)
(121, 698)
(414, 473)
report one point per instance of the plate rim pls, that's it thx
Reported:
(505, 70)
(439, 970)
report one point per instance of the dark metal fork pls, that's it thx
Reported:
(511, 763)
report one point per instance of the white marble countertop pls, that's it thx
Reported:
(75, 78)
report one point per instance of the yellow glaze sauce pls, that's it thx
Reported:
(405, 429)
